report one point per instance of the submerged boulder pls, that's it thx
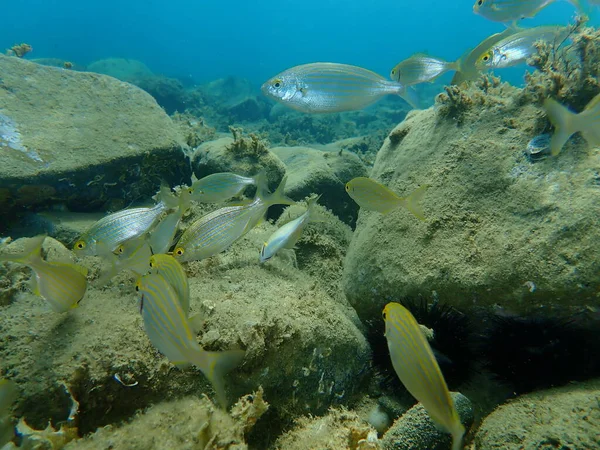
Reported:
(312, 171)
(81, 139)
(499, 228)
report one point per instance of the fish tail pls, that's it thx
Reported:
(215, 365)
(410, 95)
(31, 253)
(457, 437)
(564, 124)
(261, 175)
(278, 197)
(412, 202)
(167, 197)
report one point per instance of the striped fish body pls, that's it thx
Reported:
(219, 187)
(169, 331)
(62, 285)
(110, 231)
(216, 231)
(509, 10)
(171, 270)
(329, 88)
(417, 368)
(420, 69)
(517, 48)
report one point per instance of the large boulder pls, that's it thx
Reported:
(499, 229)
(81, 139)
(322, 172)
(565, 417)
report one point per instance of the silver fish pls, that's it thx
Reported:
(331, 87)
(512, 10)
(218, 187)
(420, 68)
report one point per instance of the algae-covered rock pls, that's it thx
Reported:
(562, 418)
(302, 345)
(81, 139)
(499, 229)
(123, 69)
(338, 429)
(416, 431)
(244, 155)
(314, 171)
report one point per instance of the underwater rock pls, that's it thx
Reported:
(495, 222)
(338, 429)
(189, 423)
(242, 155)
(81, 139)
(123, 69)
(416, 431)
(565, 417)
(314, 171)
(303, 346)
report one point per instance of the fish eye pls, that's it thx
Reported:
(80, 245)
(120, 249)
(486, 58)
(151, 263)
(137, 287)
(179, 251)
(393, 71)
(277, 83)
(479, 2)
(384, 315)
(347, 187)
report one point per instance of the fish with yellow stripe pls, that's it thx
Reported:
(109, 232)
(170, 332)
(417, 368)
(216, 231)
(374, 196)
(62, 284)
(171, 270)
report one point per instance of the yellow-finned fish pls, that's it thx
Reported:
(566, 123)
(467, 64)
(417, 368)
(105, 235)
(518, 47)
(512, 10)
(218, 187)
(216, 231)
(8, 394)
(171, 270)
(371, 195)
(63, 285)
(170, 332)
(132, 255)
(421, 68)
(287, 235)
(161, 236)
(331, 87)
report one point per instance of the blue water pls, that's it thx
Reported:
(211, 39)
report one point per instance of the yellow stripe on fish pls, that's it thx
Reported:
(371, 195)
(216, 231)
(105, 235)
(170, 332)
(171, 270)
(417, 368)
(287, 235)
(63, 285)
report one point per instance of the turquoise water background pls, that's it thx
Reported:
(205, 40)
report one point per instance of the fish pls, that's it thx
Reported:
(518, 47)
(132, 255)
(218, 187)
(169, 330)
(8, 394)
(171, 270)
(62, 285)
(216, 231)
(417, 368)
(467, 68)
(566, 123)
(373, 196)
(513, 10)
(161, 236)
(421, 68)
(331, 87)
(106, 234)
(287, 235)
